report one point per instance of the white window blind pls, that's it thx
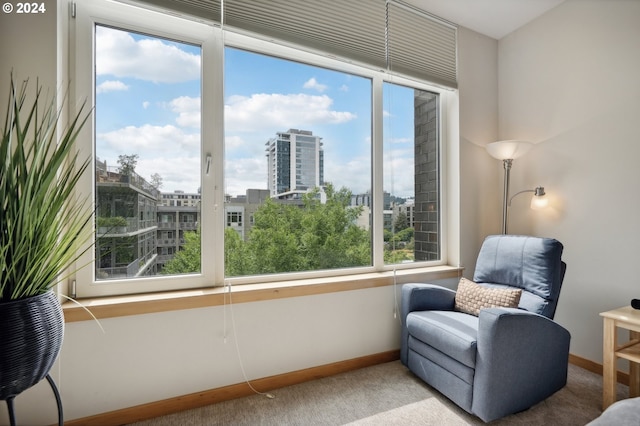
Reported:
(344, 28)
(421, 46)
(385, 34)
(208, 10)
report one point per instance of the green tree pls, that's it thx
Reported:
(156, 181)
(289, 238)
(318, 235)
(187, 260)
(397, 256)
(401, 222)
(236, 260)
(127, 164)
(405, 235)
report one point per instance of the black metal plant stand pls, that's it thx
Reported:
(31, 332)
(54, 388)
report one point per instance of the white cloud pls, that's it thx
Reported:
(178, 173)
(119, 54)
(243, 173)
(399, 173)
(312, 83)
(344, 88)
(159, 140)
(111, 86)
(146, 104)
(188, 110)
(354, 174)
(165, 150)
(400, 140)
(232, 142)
(277, 111)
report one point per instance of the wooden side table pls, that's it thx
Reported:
(629, 319)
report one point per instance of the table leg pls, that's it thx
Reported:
(609, 363)
(634, 371)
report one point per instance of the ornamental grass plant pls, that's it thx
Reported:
(43, 228)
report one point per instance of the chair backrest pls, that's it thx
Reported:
(533, 264)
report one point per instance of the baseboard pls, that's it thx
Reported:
(596, 368)
(212, 396)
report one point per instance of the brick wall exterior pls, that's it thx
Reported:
(427, 201)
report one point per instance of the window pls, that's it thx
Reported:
(411, 174)
(147, 140)
(151, 134)
(301, 134)
(307, 166)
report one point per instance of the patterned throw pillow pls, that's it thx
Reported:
(472, 297)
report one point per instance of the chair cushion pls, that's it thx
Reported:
(471, 297)
(528, 301)
(453, 333)
(531, 263)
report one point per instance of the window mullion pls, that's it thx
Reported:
(377, 167)
(212, 209)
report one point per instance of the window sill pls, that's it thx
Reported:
(119, 306)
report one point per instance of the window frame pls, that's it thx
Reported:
(213, 41)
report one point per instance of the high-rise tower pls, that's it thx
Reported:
(296, 163)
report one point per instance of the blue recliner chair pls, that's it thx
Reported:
(505, 359)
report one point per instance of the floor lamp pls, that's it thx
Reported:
(507, 151)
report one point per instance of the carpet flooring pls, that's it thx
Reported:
(387, 394)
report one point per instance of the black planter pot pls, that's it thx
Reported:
(31, 333)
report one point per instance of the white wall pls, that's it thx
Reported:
(145, 358)
(28, 48)
(481, 174)
(570, 81)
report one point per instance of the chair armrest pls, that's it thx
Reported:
(422, 297)
(426, 297)
(522, 358)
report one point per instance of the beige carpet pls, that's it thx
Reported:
(387, 394)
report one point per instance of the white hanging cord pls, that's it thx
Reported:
(396, 309)
(235, 335)
(390, 157)
(227, 285)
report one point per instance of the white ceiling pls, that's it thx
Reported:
(494, 18)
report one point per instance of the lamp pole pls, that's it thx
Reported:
(507, 171)
(507, 151)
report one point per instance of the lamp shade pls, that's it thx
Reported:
(539, 199)
(508, 150)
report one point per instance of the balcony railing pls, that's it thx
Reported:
(166, 242)
(113, 175)
(133, 225)
(188, 226)
(133, 269)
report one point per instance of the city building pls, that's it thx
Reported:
(126, 224)
(295, 163)
(239, 211)
(178, 212)
(407, 209)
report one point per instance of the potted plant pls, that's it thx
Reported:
(42, 231)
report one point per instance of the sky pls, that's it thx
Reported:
(148, 93)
